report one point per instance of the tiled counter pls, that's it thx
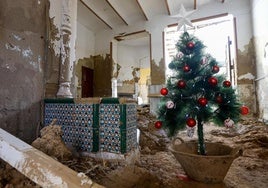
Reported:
(107, 125)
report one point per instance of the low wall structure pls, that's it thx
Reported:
(95, 124)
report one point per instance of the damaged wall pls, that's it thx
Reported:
(102, 76)
(132, 59)
(85, 62)
(246, 73)
(260, 28)
(85, 42)
(158, 73)
(102, 68)
(155, 26)
(61, 29)
(22, 41)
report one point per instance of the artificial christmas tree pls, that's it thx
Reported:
(197, 94)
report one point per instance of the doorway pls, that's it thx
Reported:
(87, 82)
(218, 35)
(132, 54)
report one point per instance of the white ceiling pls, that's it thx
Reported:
(99, 15)
(109, 14)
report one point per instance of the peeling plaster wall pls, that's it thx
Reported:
(102, 68)
(260, 28)
(158, 73)
(85, 62)
(131, 59)
(85, 51)
(246, 73)
(85, 42)
(102, 76)
(155, 26)
(58, 44)
(240, 9)
(22, 41)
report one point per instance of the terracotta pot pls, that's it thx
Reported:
(209, 168)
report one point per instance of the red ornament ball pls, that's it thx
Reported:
(190, 45)
(244, 110)
(186, 68)
(212, 81)
(164, 91)
(219, 99)
(158, 124)
(202, 101)
(191, 122)
(215, 69)
(181, 84)
(226, 83)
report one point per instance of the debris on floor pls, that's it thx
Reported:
(157, 166)
(51, 143)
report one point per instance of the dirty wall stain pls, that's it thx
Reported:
(158, 72)
(246, 63)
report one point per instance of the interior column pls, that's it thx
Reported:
(67, 50)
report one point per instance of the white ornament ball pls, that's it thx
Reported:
(170, 104)
(179, 55)
(228, 123)
(204, 61)
(190, 131)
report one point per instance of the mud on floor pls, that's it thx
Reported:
(156, 166)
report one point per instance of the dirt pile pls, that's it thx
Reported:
(50, 142)
(11, 178)
(152, 140)
(157, 167)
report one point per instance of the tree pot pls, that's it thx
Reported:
(209, 168)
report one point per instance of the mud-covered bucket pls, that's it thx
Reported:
(209, 168)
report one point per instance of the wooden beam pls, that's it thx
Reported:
(151, 53)
(195, 4)
(116, 12)
(121, 37)
(39, 167)
(95, 14)
(142, 10)
(202, 19)
(167, 5)
(209, 17)
(134, 33)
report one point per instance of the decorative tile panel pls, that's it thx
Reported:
(95, 127)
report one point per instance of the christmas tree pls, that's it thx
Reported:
(197, 93)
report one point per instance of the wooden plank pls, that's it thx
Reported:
(142, 10)
(39, 167)
(167, 5)
(202, 19)
(96, 14)
(119, 15)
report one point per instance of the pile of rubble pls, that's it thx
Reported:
(156, 166)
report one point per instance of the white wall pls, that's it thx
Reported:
(129, 57)
(127, 60)
(239, 8)
(85, 42)
(260, 28)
